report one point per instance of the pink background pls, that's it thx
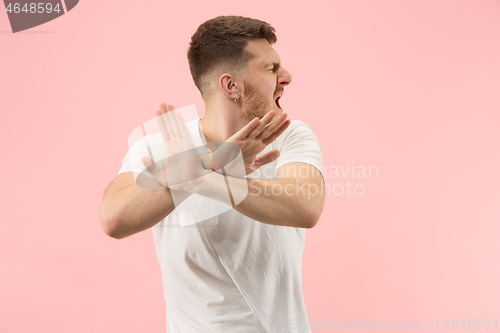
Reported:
(411, 87)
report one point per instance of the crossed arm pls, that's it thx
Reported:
(289, 200)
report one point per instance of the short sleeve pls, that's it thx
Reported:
(300, 145)
(132, 162)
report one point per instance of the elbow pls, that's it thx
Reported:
(312, 217)
(110, 226)
(312, 221)
(307, 220)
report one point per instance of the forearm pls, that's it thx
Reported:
(127, 210)
(285, 201)
(134, 208)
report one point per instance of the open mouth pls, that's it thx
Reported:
(277, 102)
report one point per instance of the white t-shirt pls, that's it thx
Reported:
(230, 273)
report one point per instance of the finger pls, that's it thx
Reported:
(263, 123)
(276, 123)
(268, 157)
(183, 130)
(165, 120)
(242, 133)
(164, 133)
(169, 107)
(173, 122)
(277, 132)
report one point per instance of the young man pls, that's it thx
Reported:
(238, 269)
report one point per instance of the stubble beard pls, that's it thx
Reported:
(253, 102)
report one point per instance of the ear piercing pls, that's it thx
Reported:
(236, 99)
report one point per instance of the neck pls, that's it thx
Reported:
(221, 121)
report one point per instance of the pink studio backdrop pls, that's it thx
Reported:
(410, 88)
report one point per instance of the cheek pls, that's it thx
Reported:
(271, 90)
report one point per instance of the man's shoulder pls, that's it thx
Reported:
(296, 127)
(191, 125)
(296, 132)
(297, 123)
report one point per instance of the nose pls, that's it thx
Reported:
(285, 77)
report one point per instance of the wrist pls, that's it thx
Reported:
(197, 185)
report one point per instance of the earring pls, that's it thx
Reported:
(236, 99)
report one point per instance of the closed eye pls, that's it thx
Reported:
(275, 68)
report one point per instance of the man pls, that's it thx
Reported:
(240, 270)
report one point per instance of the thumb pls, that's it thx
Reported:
(152, 167)
(148, 163)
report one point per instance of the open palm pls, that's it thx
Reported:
(252, 139)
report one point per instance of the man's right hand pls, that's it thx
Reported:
(251, 140)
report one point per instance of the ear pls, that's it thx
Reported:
(229, 85)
